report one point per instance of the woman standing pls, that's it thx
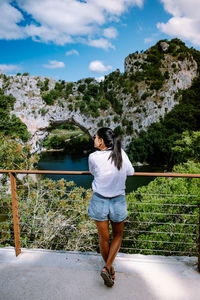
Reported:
(110, 167)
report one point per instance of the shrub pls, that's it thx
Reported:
(48, 99)
(86, 97)
(144, 95)
(44, 86)
(81, 88)
(118, 131)
(100, 123)
(92, 90)
(88, 80)
(70, 107)
(103, 104)
(11, 125)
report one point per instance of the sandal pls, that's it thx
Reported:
(105, 274)
(112, 272)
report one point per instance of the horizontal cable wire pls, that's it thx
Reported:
(154, 250)
(6, 222)
(163, 204)
(151, 241)
(161, 223)
(61, 200)
(163, 214)
(170, 195)
(163, 232)
(137, 194)
(128, 202)
(141, 231)
(1, 215)
(58, 244)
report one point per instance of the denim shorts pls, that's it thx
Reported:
(102, 208)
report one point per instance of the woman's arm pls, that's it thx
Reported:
(91, 165)
(129, 168)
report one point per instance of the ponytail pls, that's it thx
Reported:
(116, 154)
(112, 142)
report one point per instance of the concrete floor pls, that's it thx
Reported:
(56, 275)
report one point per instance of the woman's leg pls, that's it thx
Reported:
(117, 231)
(103, 231)
(109, 252)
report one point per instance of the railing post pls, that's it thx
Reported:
(15, 213)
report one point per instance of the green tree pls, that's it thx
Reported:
(11, 125)
(48, 99)
(187, 147)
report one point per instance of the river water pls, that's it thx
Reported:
(60, 161)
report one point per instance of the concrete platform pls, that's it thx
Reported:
(56, 275)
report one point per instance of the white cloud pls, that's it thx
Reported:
(116, 7)
(62, 21)
(54, 64)
(98, 67)
(185, 22)
(9, 68)
(110, 32)
(72, 52)
(46, 35)
(100, 78)
(101, 43)
(9, 17)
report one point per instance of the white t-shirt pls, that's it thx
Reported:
(108, 180)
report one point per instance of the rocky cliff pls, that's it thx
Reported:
(131, 101)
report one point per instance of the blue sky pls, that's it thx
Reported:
(71, 39)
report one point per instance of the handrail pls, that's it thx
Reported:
(88, 173)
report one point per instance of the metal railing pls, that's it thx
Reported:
(166, 224)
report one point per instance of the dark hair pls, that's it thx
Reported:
(113, 142)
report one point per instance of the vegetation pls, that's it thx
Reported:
(11, 125)
(70, 138)
(150, 69)
(158, 144)
(14, 155)
(165, 215)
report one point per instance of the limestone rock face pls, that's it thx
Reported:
(164, 46)
(38, 116)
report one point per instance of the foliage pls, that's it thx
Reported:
(54, 142)
(118, 130)
(79, 144)
(89, 80)
(150, 69)
(81, 88)
(44, 86)
(188, 146)
(156, 145)
(66, 126)
(14, 156)
(11, 125)
(161, 215)
(48, 99)
(70, 138)
(53, 215)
